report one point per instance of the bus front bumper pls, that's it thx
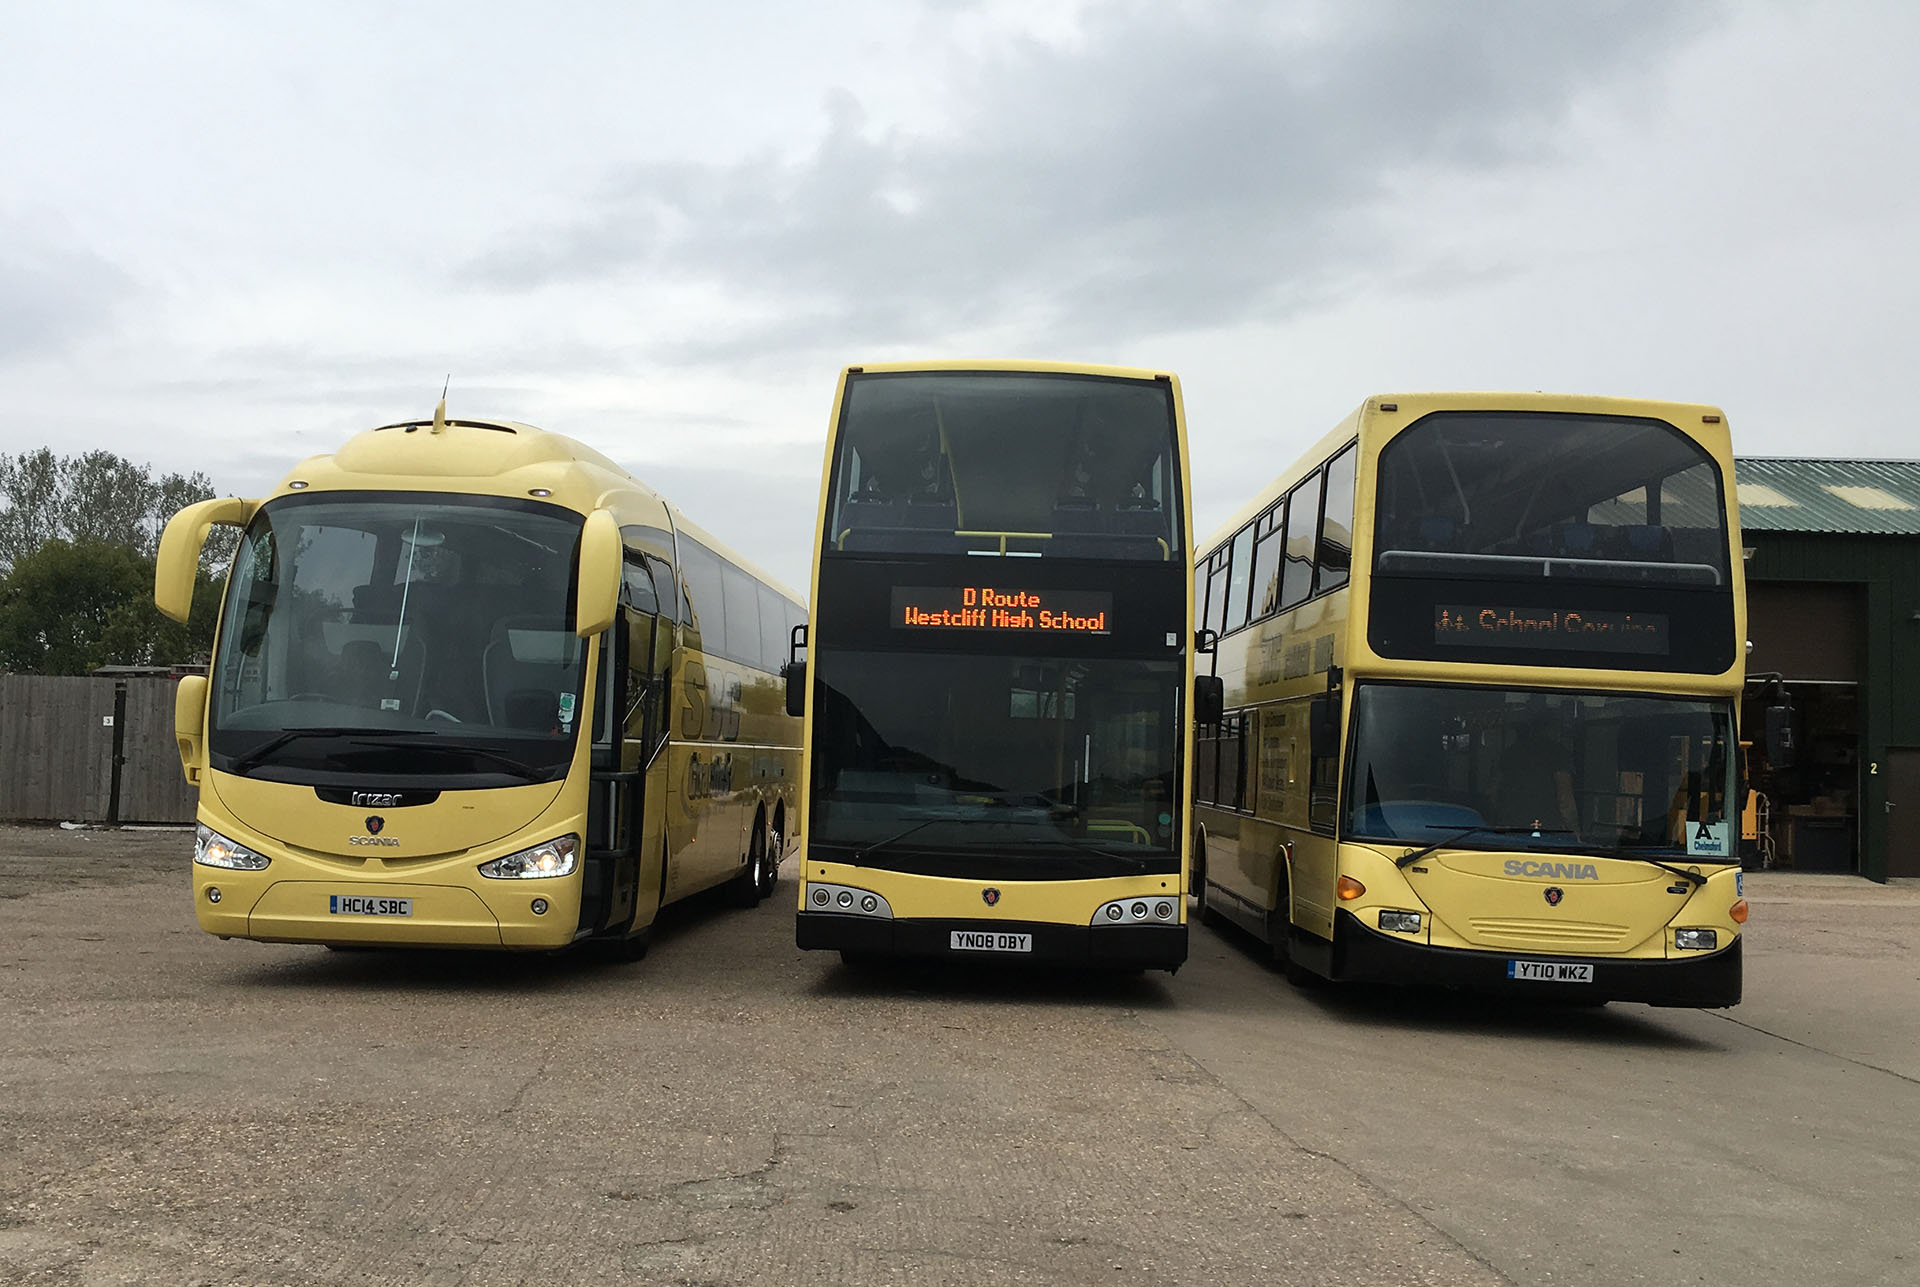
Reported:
(1710, 980)
(1148, 947)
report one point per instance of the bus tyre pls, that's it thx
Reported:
(751, 885)
(1202, 909)
(773, 846)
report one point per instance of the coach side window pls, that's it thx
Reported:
(1336, 523)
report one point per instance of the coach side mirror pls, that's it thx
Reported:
(178, 560)
(1205, 640)
(1783, 736)
(190, 725)
(602, 567)
(1323, 726)
(1209, 699)
(795, 673)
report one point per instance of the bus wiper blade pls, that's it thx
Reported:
(1415, 855)
(1627, 855)
(272, 744)
(504, 762)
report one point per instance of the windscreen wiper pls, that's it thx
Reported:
(1415, 855)
(1627, 855)
(259, 753)
(505, 762)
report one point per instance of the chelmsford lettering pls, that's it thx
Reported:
(1553, 870)
(1562, 629)
(992, 608)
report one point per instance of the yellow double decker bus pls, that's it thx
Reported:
(999, 676)
(1482, 658)
(474, 686)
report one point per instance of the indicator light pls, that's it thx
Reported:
(1349, 889)
(1738, 912)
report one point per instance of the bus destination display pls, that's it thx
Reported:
(995, 608)
(1557, 629)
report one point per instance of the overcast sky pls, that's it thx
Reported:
(233, 234)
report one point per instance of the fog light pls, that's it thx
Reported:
(539, 907)
(213, 893)
(1113, 912)
(1696, 940)
(846, 898)
(1139, 911)
(821, 898)
(1400, 922)
(1163, 909)
(1349, 889)
(868, 903)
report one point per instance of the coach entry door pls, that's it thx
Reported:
(626, 814)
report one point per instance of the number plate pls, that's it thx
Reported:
(989, 941)
(1550, 971)
(355, 905)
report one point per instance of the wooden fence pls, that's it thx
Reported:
(90, 750)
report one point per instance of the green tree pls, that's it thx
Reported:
(67, 608)
(95, 497)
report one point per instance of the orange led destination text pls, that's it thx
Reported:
(990, 608)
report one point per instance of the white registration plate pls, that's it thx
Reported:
(1550, 971)
(355, 905)
(989, 941)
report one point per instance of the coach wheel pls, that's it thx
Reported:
(1202, 910)
(773, 845)
(749, 887)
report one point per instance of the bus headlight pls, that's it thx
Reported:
(211, 849)
(1154, 909)
(1400, 922)
(1696, 940)
(554, 858)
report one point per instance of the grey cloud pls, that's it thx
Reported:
(51, 296)
(1167, 172)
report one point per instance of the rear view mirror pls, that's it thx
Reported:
(795, 673)
(601, 555)
(178, 559)
(1783, 736)
(1209, 699)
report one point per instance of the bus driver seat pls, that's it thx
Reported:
(530, 670)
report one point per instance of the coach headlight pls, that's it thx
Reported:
(554, 858)
(1695, 940)
(211, 849)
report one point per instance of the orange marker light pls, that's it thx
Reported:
(1738, 912)
(1349, 889)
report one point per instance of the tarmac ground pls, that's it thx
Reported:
(729, 1109)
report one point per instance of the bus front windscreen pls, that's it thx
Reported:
(996, 767)
(1046, 465)
(1551, 771)
(423, 638)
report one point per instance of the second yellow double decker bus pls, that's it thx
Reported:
(998, 687)
(1482, 657)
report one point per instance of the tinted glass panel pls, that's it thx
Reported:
(1268, 555)
(743, 615)
(417, 636)
(705, 597)
(1006, 462)
(1239, 576)
(1336, 524)
(1513, 495)
(1303, 523)
(1562, 771)
(970, 764)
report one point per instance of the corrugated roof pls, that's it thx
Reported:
(1810, 494)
